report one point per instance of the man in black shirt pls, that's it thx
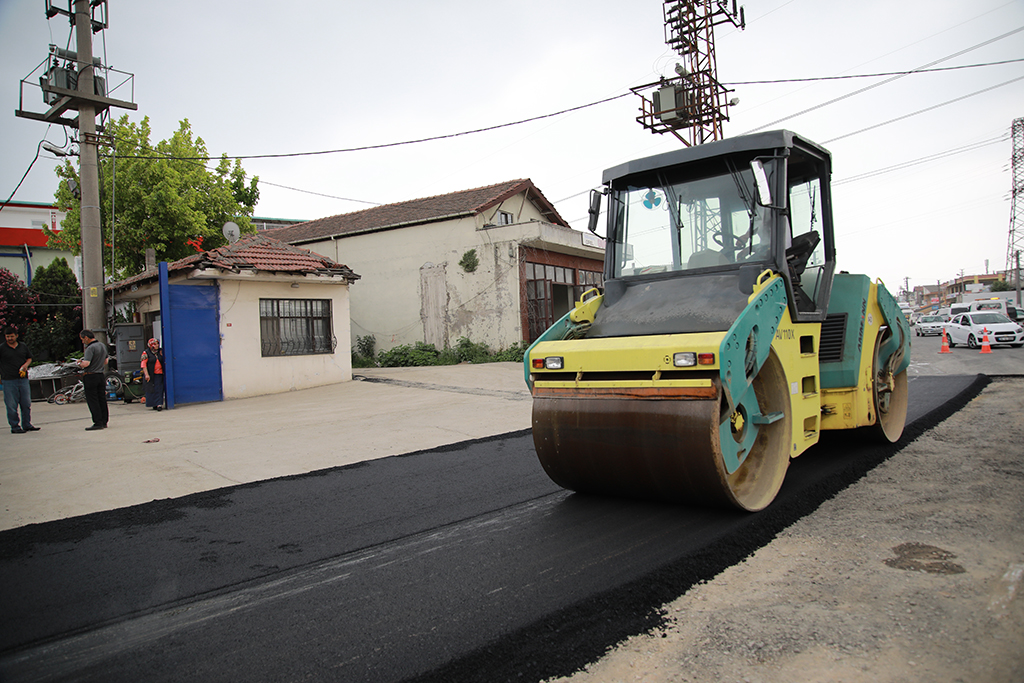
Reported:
(94, 362)
(14, 361)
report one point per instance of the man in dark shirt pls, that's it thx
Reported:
(14, 361)
(94, 362)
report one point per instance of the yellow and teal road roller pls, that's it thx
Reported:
(723, 341)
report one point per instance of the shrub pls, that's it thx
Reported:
(469, 352)
(366, 346)
(405, 355)
(469, 261)
(17, 303)
(513, 354)
(464, 351)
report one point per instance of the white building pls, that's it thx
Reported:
(22, 240)
(496, 264)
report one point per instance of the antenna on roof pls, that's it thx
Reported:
(231, 232)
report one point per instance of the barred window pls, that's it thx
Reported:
(296, 327)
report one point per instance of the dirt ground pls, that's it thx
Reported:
(911, 574)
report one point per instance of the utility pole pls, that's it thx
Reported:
(93, 309)
(69, 82)
(1017, 254)
(1015, 240)
(693, 105)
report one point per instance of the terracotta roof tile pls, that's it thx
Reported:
(252, 252)
(417, 212)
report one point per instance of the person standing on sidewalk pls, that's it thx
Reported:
(14, 361)
(94, 362)
(153, 370)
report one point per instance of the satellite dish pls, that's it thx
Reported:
(231, 232)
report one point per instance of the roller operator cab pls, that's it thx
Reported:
(724, 341)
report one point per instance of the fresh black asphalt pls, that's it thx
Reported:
(459, 563)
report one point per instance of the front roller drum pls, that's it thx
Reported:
(664, 449)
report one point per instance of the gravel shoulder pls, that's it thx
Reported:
(911, 574)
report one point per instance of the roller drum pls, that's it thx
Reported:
(662, 449)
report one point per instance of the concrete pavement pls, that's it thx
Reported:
(64, 471)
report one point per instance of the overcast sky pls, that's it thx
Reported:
(261, 77)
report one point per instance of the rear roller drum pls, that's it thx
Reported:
(889, 395)
(757, 480)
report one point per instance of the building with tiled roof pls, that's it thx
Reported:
(257, 316)
(496, 264)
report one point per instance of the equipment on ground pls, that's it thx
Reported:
(724, 342)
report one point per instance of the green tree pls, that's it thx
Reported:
(54, 334)
(165, 198)
(17, 303)
(1002, 286)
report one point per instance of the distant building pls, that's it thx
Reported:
(496, 264)
(964, 289)
(22, 240)
(262, 224)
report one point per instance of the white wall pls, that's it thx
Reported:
(483, 305)
(246, 372)
(28, 217)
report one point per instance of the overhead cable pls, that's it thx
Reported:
(920, 160)
(875, 75)
(926, 109)
(889, 80)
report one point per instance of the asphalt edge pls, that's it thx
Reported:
(16, 541)
(556, 646)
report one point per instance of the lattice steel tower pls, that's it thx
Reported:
(1016, 239)
(693, 105)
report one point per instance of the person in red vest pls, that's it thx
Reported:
(153, 371)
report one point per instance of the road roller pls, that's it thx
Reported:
(723, 341)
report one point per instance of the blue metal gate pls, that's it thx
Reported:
(192, 343)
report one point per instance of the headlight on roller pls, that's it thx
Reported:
(549, 363)
(684, 359)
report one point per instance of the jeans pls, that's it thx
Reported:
(18, 394)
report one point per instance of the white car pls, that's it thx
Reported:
(930, 324)
(968, 328)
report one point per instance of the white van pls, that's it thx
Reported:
(957, 309)
(996, 305)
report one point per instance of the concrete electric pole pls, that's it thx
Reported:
(93, 309)
(69, 82)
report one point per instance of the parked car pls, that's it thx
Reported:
(968, 328)
(930, 324)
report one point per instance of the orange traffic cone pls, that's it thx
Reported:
(945, 343)
(985, 348)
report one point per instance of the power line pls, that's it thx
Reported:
(318, 194)
(926, 109)
(394, 144)
(889, 80)
(899, 74)
(875, 75)
(920, 160)
(896, 75)
(25, 175)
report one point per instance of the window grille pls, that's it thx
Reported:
(296, 327)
